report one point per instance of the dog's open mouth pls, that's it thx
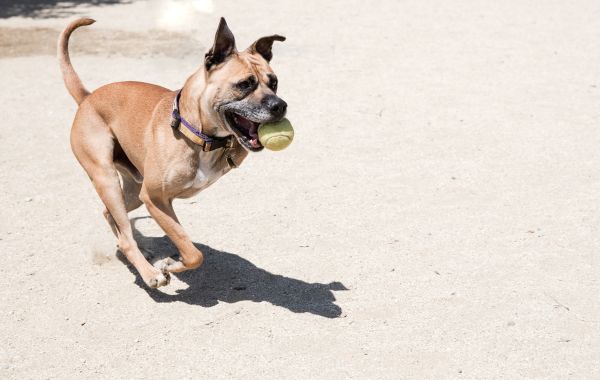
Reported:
(246, 130)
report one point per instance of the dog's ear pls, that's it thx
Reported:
(223, 47)
(263, 46)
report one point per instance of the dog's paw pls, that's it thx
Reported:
(168, 265)
(158, 279)
(163, 264)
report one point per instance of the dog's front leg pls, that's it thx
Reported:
(161, 209)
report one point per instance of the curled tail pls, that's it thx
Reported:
(72, 81)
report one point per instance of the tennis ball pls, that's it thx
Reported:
(276, 136)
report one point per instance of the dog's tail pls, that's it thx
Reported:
(72, 81)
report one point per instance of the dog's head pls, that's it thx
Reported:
(241, 88)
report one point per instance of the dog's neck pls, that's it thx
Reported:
(196, 112)
(189, 106)
(192, 109)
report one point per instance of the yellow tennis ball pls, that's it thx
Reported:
(276, 136)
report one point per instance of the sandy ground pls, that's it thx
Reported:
(436, 217)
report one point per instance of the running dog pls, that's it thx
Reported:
(168, 144)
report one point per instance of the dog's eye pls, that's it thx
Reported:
(246, 84)
(273, 84)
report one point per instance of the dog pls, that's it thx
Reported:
(140, 143)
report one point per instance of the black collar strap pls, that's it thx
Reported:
(207, 143)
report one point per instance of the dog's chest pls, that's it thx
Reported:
(204, 176)
(192, 174)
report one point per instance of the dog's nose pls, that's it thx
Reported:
(276, 105)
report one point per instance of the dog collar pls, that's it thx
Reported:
(207, 143)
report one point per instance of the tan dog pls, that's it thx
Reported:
(167, 144)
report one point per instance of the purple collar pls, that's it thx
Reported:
(208, 143)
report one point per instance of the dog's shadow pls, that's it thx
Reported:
(226, 277)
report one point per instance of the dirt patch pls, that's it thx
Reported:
(17, 42)
(47, 8)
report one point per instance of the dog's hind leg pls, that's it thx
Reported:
(132, 185)
(93, 145)
(131, 182)
(131, 194)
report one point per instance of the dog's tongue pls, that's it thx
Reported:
(251, 126)
(255, 143)
(253, 131)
